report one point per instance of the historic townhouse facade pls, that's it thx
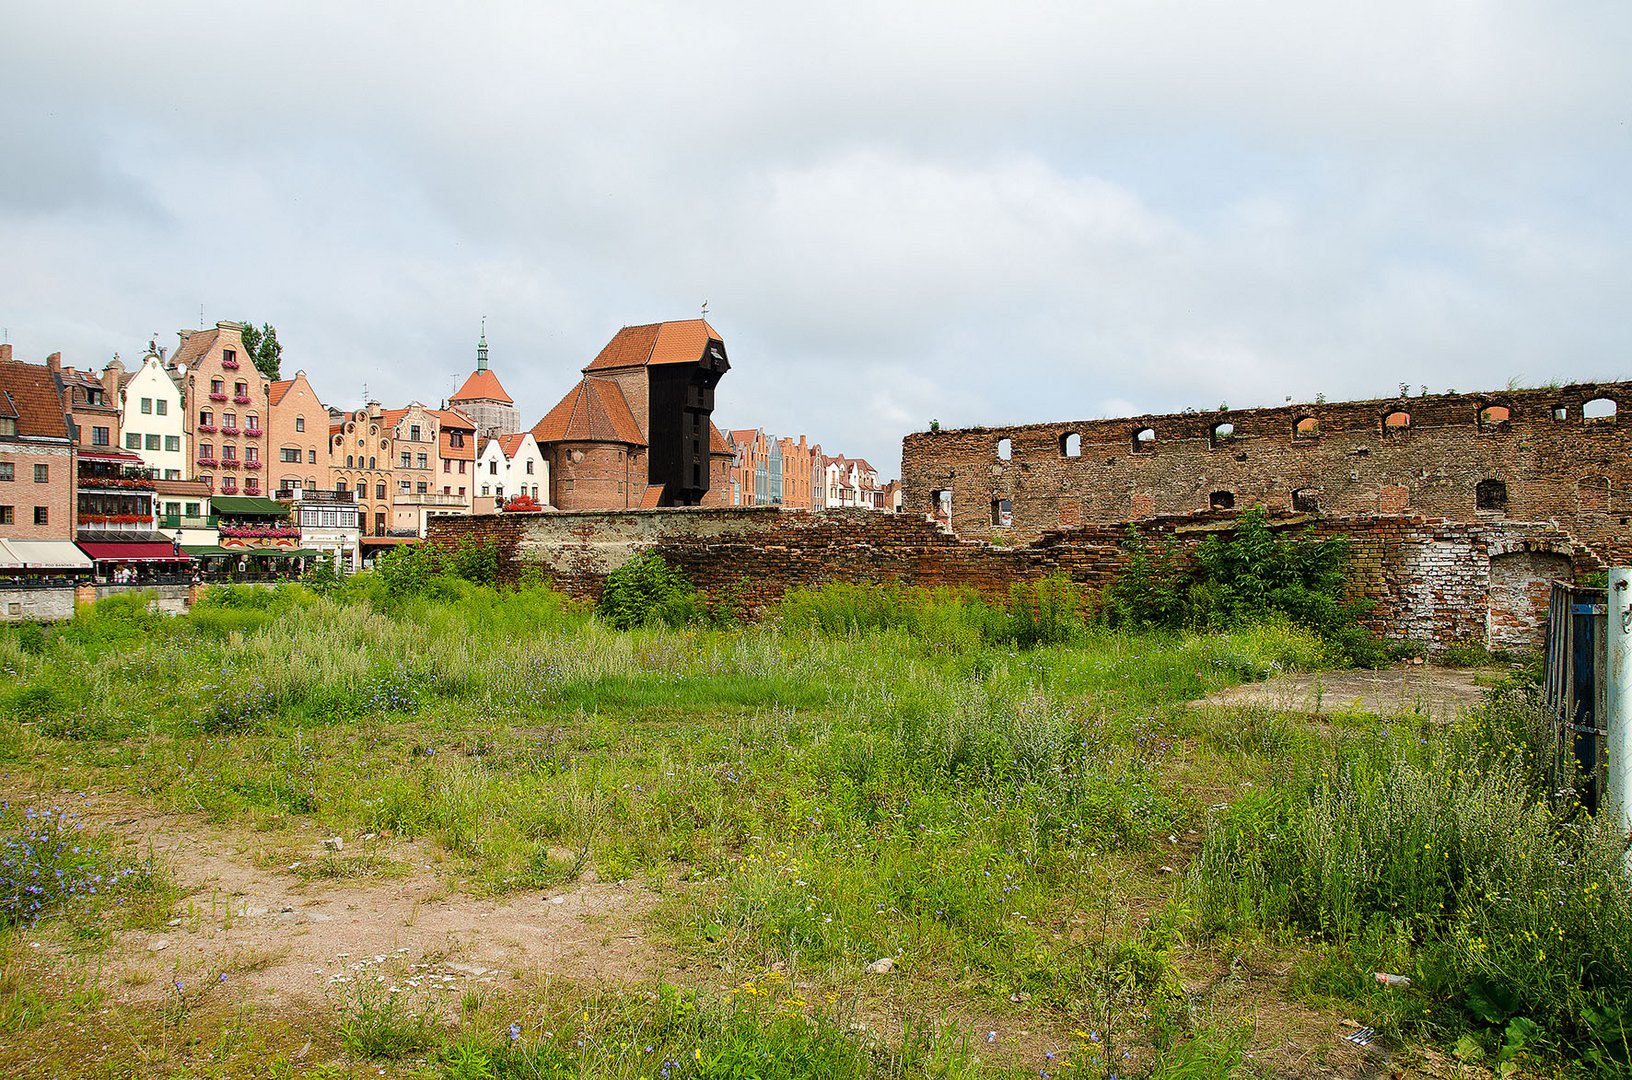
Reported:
(456, 457)
(297, 437)
(361, 445)
(152, 416)
(37, 456)
(226, 409)
(511, 466)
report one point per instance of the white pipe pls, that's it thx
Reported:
(1618, 704)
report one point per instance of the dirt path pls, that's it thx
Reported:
(1405, 690)
(277, 937)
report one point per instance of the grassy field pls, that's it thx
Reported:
(1069, 869)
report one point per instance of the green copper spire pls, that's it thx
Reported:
(481, 348)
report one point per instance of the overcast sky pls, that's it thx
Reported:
(982, 214)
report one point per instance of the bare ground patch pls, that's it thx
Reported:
(1437, 693)
(279, 933)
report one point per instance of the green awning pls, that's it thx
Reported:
(295, 553)
(204, 551)
(248, 504)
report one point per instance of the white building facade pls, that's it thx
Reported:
(510, 466)
(152, 420)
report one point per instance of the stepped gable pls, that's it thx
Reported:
(593, 411)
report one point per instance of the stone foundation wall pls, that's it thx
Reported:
(1430, 581)
(37, 605)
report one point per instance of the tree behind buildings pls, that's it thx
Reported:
(263, 348)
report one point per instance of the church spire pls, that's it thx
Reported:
(481, 348)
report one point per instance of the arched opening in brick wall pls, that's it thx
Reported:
(1306, 501)
(1599, 409)
(1490, 495)
(1002, 513)
(1494, 417)
(1221, 500)
(1306, 427)
(1005, 449)
(1071, 444)
(1592, 494)
(1221, 434)
(1396, 422)
(1144, 440)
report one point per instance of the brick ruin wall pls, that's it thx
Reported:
(1432, 582)
(1522, 455)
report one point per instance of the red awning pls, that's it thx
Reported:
(135, 552)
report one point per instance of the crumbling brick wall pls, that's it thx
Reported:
(1429, 581)
(1520, 455)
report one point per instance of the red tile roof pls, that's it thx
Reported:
(510, 444)
(453, 418)
(653, 497)
(593, 411)
(682, 342)
(482, 386)
(278, 389)
(198, 344)
(31, 394)
(717, 443)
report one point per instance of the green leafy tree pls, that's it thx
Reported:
(263, 348)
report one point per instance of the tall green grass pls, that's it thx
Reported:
(1441, 855)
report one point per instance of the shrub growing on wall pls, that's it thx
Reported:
(648, 590)
(1252, 574)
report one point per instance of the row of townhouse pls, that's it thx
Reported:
(794, 474)
(188, 457)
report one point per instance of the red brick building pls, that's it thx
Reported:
(637, 429)
(37, 457)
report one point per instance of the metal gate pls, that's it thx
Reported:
(1573, 685)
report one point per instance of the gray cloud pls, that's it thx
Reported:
(897, 211)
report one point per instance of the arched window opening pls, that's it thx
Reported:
(1306, 501)
(1221, 434)
(1490, 495)
(1144, 440)
(940, 506)
(1598, 409)
(1494, 417)
(1071, 445)
(1396, 422)
(1307, 427)
(1005, 449)
(1221, 500)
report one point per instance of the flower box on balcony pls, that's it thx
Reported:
(208, 429)
(241, 399)
(230, 363)
(252, 464)
(229, 463)
(228, 489)
(229, 430)
(217, 396)
(252, 488)
(207, 463)
(254, 432)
